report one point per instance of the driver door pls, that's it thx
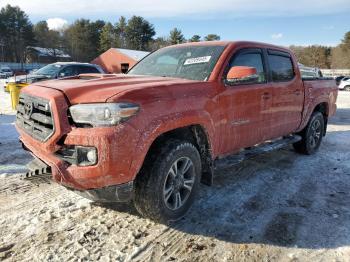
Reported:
(245, 102)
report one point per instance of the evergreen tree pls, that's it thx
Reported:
(195, 38)
(45, 37)
(212, 37)
(83, 39)
(107, 37)
(176, 37)
(139, 33)
(16, 33)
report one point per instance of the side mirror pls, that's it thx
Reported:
(242, 74)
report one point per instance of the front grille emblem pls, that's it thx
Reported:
(28, 109)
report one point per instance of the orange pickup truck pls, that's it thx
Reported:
(153, 134)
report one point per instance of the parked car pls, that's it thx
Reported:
(345, 84)
(53, 71)
(178, 115)
(5, 72)
(2, 75)
(338, 79)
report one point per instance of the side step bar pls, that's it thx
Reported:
(245, 154)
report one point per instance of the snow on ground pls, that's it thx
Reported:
(280, 206)
(12, 156)
(5, 100)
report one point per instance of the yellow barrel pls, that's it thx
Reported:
(20, 85)
(14, 92)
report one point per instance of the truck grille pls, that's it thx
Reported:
(34, 117)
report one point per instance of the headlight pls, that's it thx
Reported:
(103, 114)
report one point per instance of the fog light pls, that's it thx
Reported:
(78, 155)
(86, 156)
(91, 156)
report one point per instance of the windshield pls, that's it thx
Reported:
(188, 62)
(5, 70)
(49, 70)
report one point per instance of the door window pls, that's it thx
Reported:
(281, 68)
(248, 68)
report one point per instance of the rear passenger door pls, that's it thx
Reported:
(288, 94)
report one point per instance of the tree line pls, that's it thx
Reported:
(325, 56)
(84, 39)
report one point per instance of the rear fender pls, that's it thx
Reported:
(310, 108)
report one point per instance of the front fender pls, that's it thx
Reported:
(167, 123)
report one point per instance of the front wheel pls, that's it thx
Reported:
(165, 189)
(347, 88)
(311, 135)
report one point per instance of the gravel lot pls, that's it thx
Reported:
(280, 206)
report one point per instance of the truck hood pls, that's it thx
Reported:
(98, 88)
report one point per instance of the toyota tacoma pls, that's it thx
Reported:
(152, 135)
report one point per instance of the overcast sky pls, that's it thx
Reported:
(280, 22)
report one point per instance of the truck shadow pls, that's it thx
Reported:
(280, 198)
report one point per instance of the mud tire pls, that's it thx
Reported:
(148, 196)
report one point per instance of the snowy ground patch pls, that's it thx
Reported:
(12, 157)
(5, 101)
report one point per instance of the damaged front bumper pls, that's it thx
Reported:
(80, 158)
(116, 193)
(111, 168)
(39, 172)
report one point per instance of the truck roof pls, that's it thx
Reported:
(236, 43)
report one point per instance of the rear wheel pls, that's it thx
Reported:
(165, 189)
(311, 135)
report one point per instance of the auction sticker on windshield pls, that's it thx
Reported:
(197, 60)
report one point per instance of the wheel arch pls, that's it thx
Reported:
(321, 106)
(195, 134)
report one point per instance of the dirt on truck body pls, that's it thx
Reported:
(153, 134)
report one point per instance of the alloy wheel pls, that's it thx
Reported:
(178, 183)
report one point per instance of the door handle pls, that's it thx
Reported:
(266, 95)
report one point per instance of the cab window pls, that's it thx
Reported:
(281, 67)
